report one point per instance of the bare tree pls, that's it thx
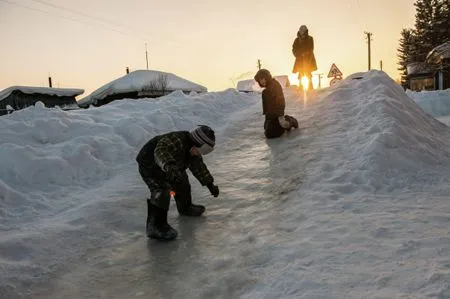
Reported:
(163, 82)
(158, 86)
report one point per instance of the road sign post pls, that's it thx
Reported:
(334, 73)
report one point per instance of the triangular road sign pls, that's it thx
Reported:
(334, 72)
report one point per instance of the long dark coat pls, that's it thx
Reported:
(273, 102)
(303, 50)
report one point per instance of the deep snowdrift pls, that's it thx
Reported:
(45, 152)
(386, 140)
(354, 204)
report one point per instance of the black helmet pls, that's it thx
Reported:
(263, 74)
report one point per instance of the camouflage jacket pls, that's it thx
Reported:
(172, 148)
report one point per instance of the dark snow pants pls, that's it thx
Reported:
(273, 128)
(160, 190)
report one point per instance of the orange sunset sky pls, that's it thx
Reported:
(85, 44)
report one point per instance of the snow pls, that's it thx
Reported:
(417, 68)
(354, 204)
(445, 120)
(137, 81)
(439, 53)
(435, 103)
(61, 92)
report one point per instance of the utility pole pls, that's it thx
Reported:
(369, 39)
(381, 65)
(50, 81)
(146, 54)
(320, 79)
(259, 64)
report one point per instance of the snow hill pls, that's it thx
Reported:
(354, 204)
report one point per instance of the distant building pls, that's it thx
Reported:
(140, 84)
(20, 97)
(439, 57)
(252, 86)
(433, 73)
(421, 76)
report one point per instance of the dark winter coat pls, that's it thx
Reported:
(303, 50)
(170, 148)
(273, 100)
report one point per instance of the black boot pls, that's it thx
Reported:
(184, 200)
(192, 210)
(157, 226)
(292, 121)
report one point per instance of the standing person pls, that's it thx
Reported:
(163, 161)
(273, 104)
(303, 50)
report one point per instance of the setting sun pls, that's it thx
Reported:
(293, 80)
(305, 82)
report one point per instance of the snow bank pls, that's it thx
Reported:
(55, 162)
(138, 81)
(354, 204)
(384, 140)
(435, 103)
(61, 92)
(44, 151)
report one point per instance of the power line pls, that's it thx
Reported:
(70, 18)
(80, 13)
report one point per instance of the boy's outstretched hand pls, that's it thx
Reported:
(213, 189)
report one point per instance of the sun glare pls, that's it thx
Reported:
(293, 79)
(305, 82)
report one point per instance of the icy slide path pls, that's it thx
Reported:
(353, 206)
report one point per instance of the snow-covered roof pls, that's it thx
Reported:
(138, 81)
(251, 85)
(248, 85)
(60, 92)
(440, 52)
(416, 68)
(284, 80)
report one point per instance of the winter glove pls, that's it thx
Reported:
(213, 189)
(174, 173)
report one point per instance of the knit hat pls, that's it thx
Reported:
(203, 135)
